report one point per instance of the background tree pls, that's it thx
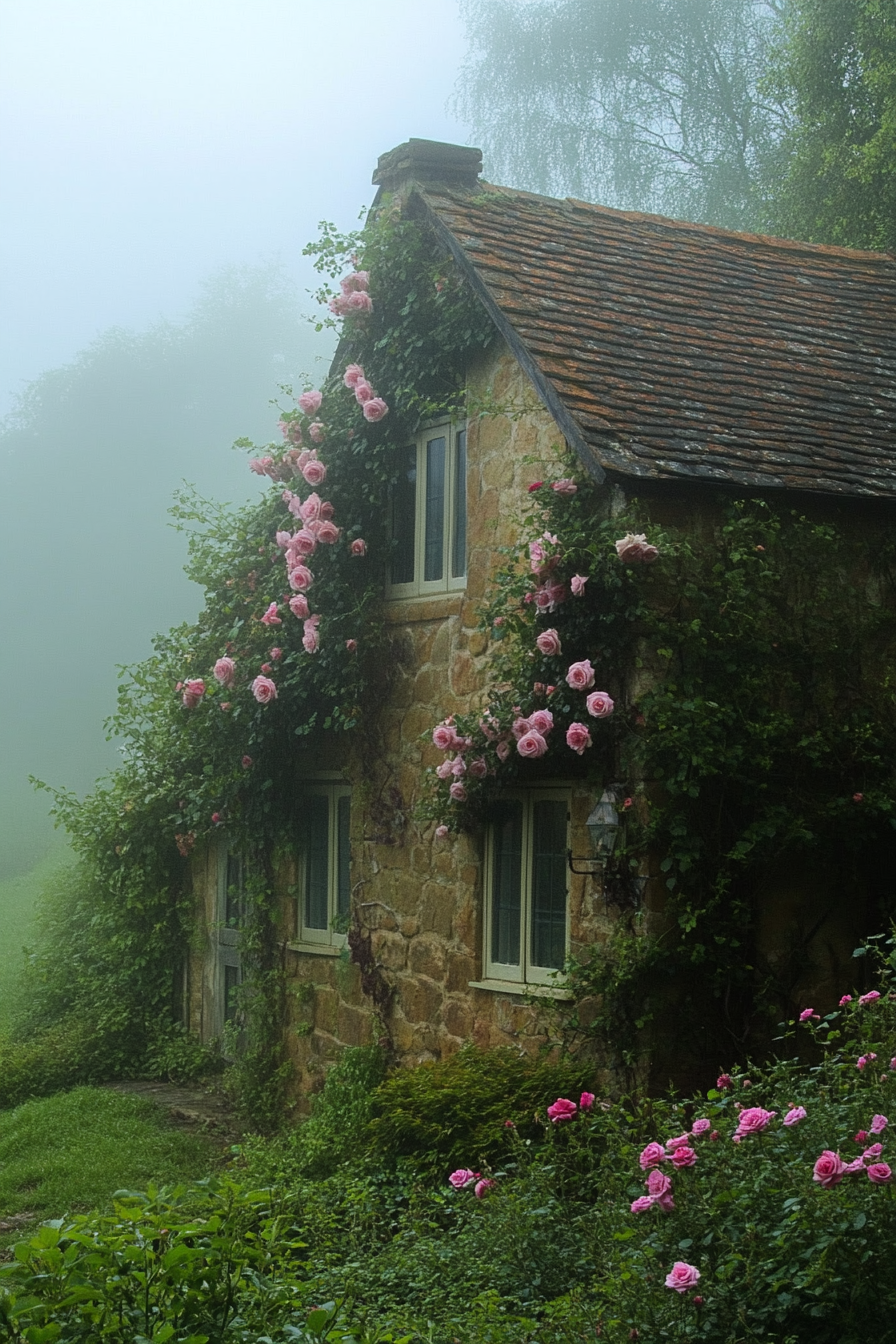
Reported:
(89, 566)
(836, 69)
(642, 104)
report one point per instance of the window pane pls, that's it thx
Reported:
(548, 884)
(317, 861)
(459, 540)
(507, 831)
(434, 537)
(343, 855)
(404, 518)
(231, 985)
(233, 897)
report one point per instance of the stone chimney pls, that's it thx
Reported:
(430, 163)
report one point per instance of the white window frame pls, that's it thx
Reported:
(524, 973)
(448, 583)
(309, 938)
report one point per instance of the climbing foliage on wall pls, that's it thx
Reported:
(734, 674)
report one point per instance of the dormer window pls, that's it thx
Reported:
(429, 515)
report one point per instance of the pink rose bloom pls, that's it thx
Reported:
(458, 792)
(682, 1277)
(309, 402)
(643, 1203)
(562, 1109)
(599, 705)
(375, 409)
(878, 1124)
(276, 654)
(351, 645)
(548, 643)
(808, 1014)
(666, 1203)
(270, 617)
(309, 512)
(283, 539)
(724, 1081)
(304, 543)
(463, 1177)
(852, 1167)
(315, 473)
(578, 737)
(580, 676)
(681, 1141)
(532, 745)
(860, 1137)
(847, 998)
(224, 671)
(338, 304)
(503, 751)
(256, 465)
(566, 486)
(316, 432)
(360, 302)
(701, 1127)
(193, 691)
(445, 770)
(444, 737)
(879, 1173)
(246, 762)
(358, 546)
(357, 280)
(658, 1183)
(753, 1120)
(458, 767)
(871, 997)
(829, 1169)
(298, 605)
(893, 1062)
(353, 375)
(520, 727)
(264, 690)
(586, 1101)
(363, 391)
(328, 533)
(684, 1157)
(577, 584)
(310, 638)
(652, 1155)
(633, 549)
(300, 578)
(216, 818)
(479, 767)
(481, 1188)
(542, 721)
(441, 832)
(865, 1059)
(875, 1150)
(794, 1116)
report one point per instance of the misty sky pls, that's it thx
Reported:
(145, 142)
(144, 146)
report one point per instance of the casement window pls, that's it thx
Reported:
(324, 885)
(230, 916)
(526, 897)
(429, 515)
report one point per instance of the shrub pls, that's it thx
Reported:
(455, 1110)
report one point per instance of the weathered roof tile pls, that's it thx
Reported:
(670, 350)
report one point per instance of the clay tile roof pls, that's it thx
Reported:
(671, 350)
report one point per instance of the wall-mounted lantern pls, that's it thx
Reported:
(603, 828)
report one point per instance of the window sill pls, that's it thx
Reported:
(429, 607)
(317, 949)
(534, 991)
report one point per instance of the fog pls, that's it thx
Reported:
(163, 163)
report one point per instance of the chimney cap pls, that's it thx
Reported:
(429, 162)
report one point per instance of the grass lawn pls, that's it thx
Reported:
(18, 897)
(71, 1152)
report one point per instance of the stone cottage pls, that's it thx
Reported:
(671, 358)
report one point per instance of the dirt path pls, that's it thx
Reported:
(190, 1108)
